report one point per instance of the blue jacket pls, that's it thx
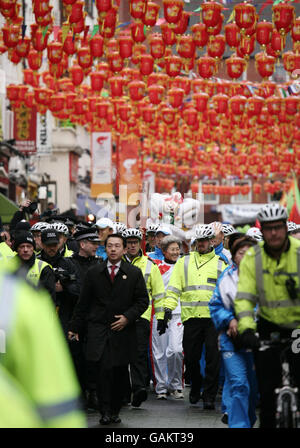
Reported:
(101, 252)
(156, 255)
(223, 253)
(221, 305)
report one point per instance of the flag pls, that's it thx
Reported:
(291, 200)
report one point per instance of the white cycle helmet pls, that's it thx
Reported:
(133, 233)
(228, 229)
(152, 227)
(39, 226)
(204, 231)
(292, 226)
(272, 212)
(119, 227)
(60, 228)
(255, 233)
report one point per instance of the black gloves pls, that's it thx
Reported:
(162, 324)
(249, 339)
(161, 327)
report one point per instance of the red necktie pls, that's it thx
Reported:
(112, 272)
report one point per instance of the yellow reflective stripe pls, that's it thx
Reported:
(199, 287)
(244, 314)
(158, 309)
(158, 296)
(282, 303)
(193, 304)
(147, 270)
(186, 268)
(259, 276)
(173, 289)
(246, 296)
(219, 268)
(55, 410)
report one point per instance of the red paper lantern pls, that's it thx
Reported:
(295, 32)
(273, 105)
(138, 50)
(190, 116)
(291, 61)
(137, 32)
(283, 16)
(232, 35)
(265, 64)
(264, 32)
(116, 84)
(254, 106)
(172, 10)
(235, 66)
(206, 67)
(97, 81)
(182, 25)
(246, 46)
(22, 47)
(151, 14)
(34, 59)
(125, 46)
(200, 35)
(156, 92)
(102, 5)
(220, 102)
(168, 34)
(102, 108)
(291, 104)
(200, 100)
(237, 104)
(175, 97)
(11, 35)
(136, 90)
(146, 64)
(173, 65)
(96, 46)
(55, 52)
(168, 115)
(77, 74)
(211, 14)
(216, 46)
(186, 47)
(157, 46)
(137, 8)
(115, 62)
(245, 16)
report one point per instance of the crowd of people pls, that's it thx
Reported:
(138, 307)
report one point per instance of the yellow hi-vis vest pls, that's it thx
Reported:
(262, 281)
(33, 274)
(5, 251)
(193, 280)
(16, 410)
(155, 286)
(35, 353)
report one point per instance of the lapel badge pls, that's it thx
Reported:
(124, 277)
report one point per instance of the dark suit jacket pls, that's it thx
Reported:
(100, 301)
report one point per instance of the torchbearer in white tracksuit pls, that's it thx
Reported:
(167, 351)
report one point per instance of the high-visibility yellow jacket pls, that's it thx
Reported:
(16, 410)
(262, 281)
(68, 252)
(33, 350)
(33, 274)
(154, 283)
(193, 280)
(5, 251)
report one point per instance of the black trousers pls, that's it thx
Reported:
(269, 373)
(110, 384)
(199, 331)
(139, 370)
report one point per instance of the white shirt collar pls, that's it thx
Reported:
(109, 264)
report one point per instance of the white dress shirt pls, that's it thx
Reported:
(117, 265)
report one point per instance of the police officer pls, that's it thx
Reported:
(193, 280)
(67, 284)
(156, 290)
(37, 272)
(35, 354)
(63, 233)
(269, 277)
(88, 241)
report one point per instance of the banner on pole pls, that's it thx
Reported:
(101, 172)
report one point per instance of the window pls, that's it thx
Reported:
(242, 198)
(209, 198)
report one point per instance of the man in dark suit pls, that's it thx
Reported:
(113, 297)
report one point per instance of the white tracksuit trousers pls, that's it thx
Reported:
(167, 356)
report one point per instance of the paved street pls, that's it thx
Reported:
(169, 413)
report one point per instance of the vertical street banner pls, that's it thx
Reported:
(25, 129)
(101, 170)
(130, 173)
(44, 134)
